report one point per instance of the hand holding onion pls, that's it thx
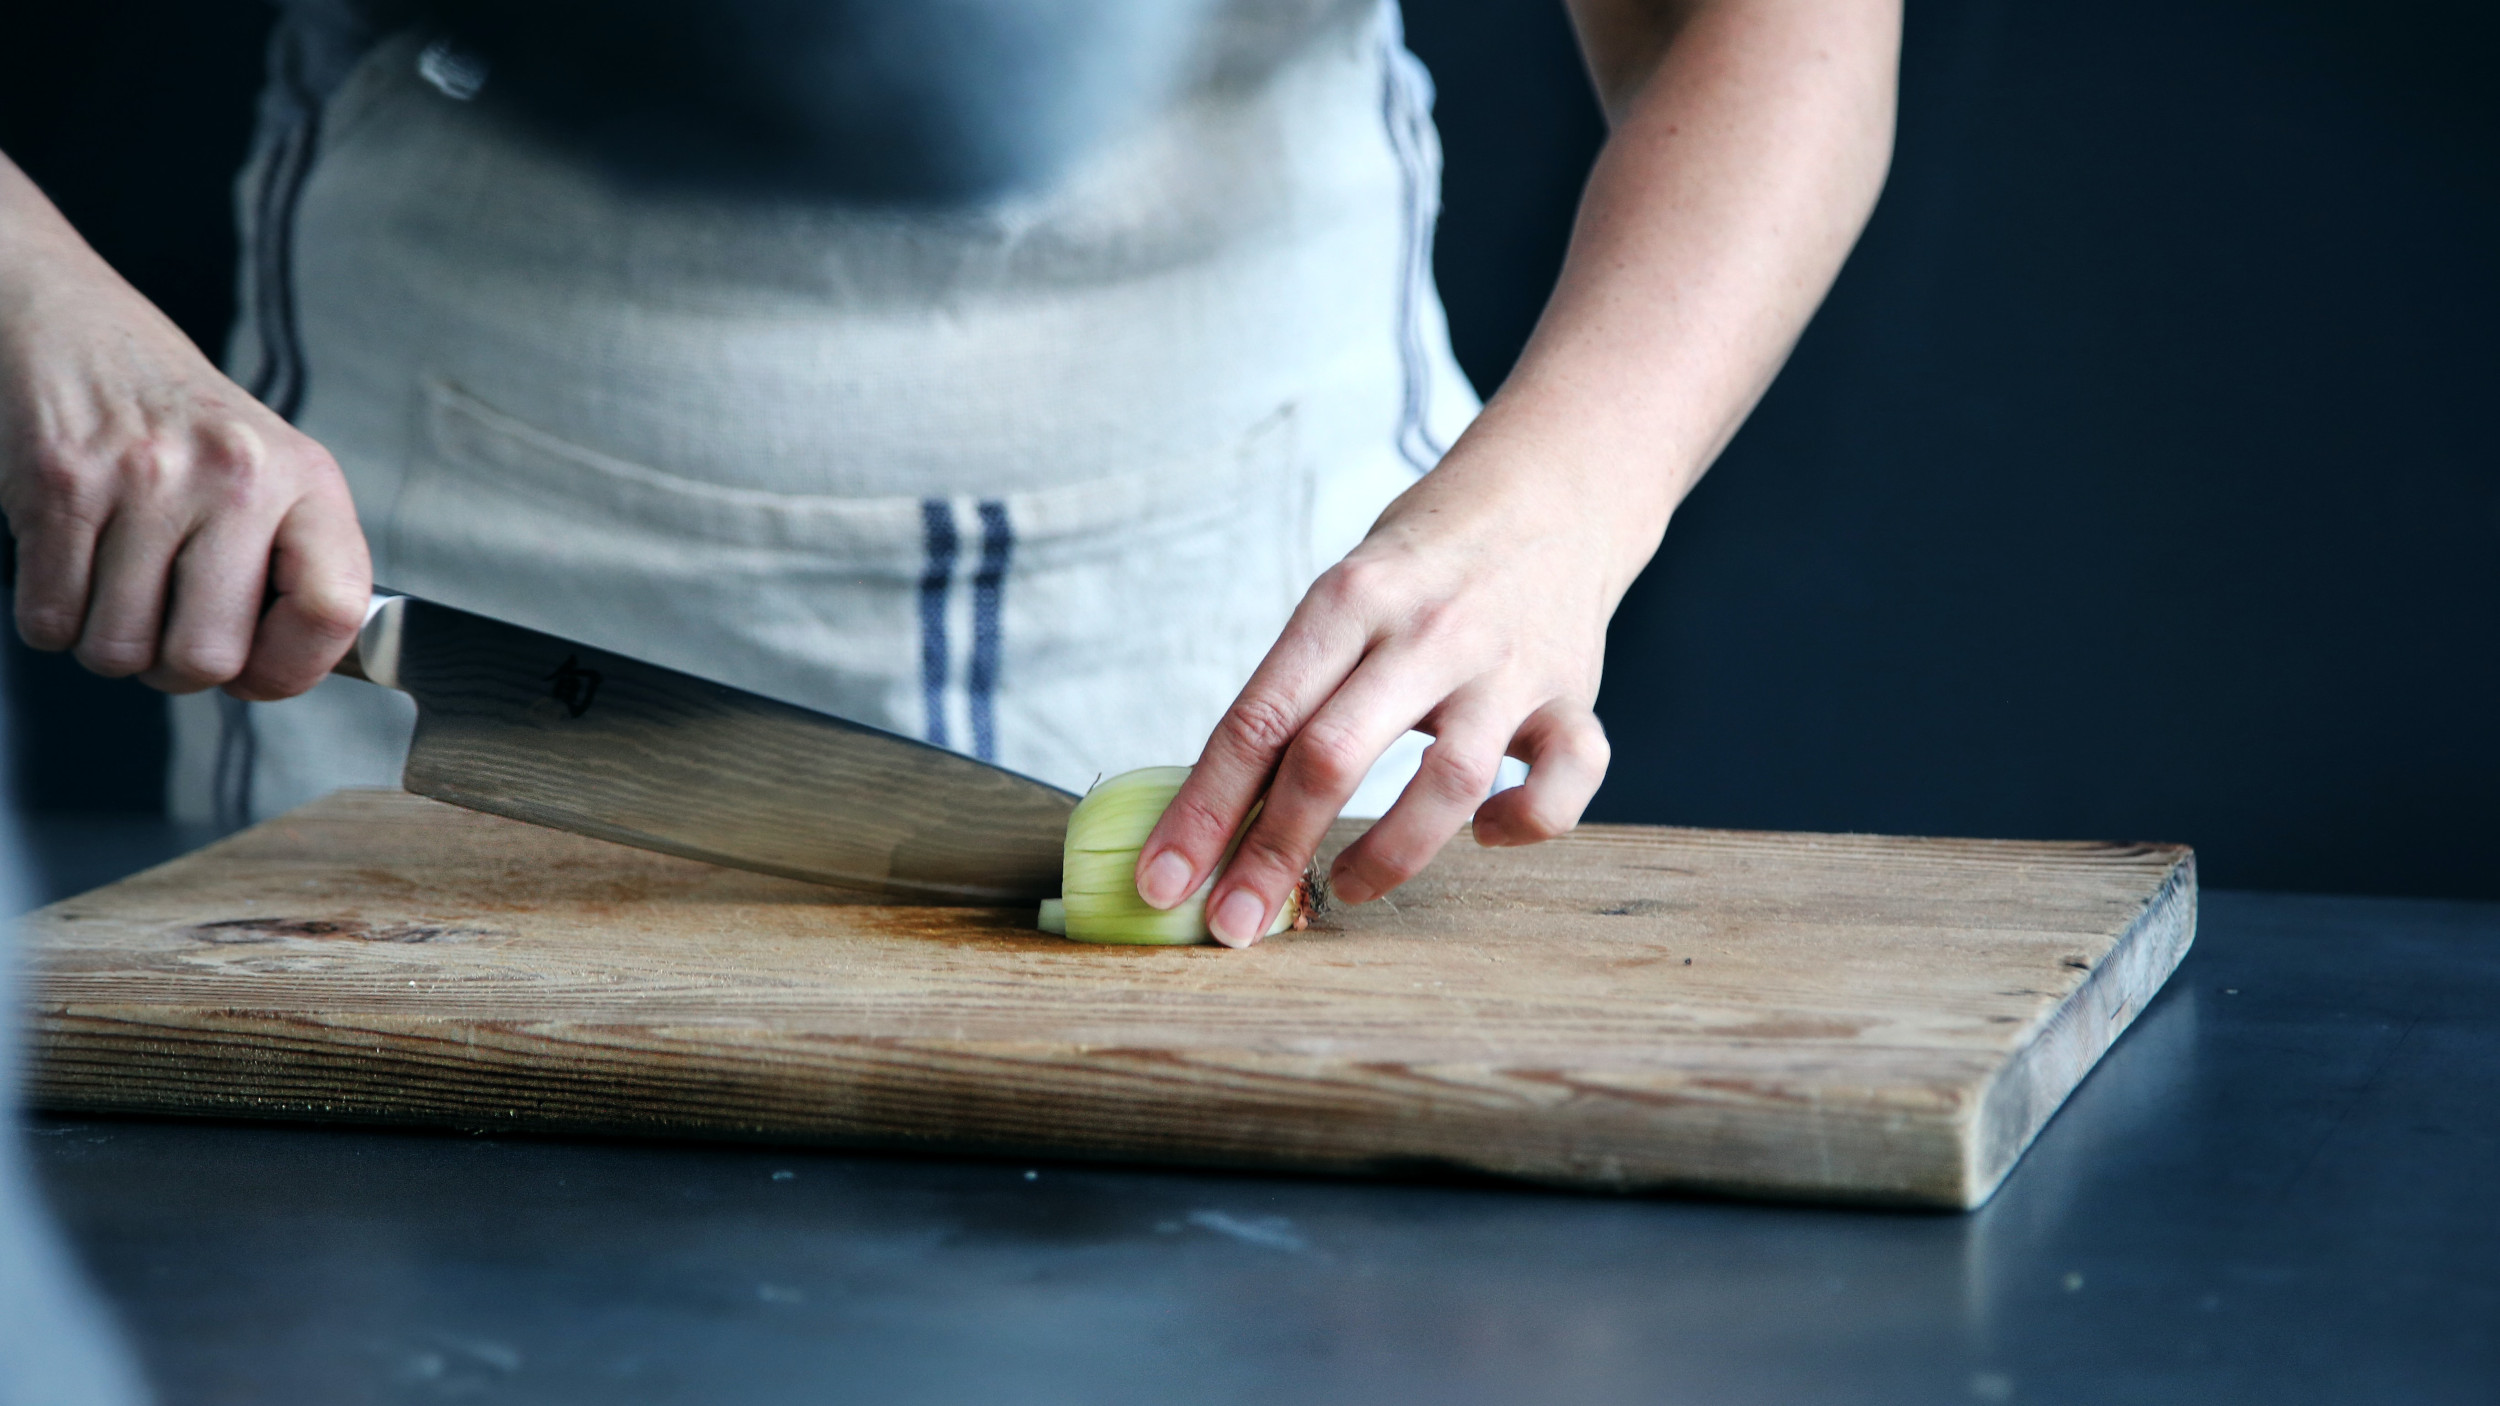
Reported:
(1475, 611)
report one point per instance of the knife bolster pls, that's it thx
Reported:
(375, 655)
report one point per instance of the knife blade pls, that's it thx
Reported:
(526, 725)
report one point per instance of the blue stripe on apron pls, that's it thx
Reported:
(937, 546)
(942, 546)
(998, 540)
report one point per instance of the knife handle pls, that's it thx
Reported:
(374, 657)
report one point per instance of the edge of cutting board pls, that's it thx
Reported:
(2044, 1073)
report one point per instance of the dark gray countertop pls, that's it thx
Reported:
(2282, 1186)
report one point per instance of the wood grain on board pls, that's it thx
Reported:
(1839, 1017)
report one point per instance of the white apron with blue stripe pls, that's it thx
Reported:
(1039, 480)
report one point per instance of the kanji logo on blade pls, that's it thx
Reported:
(575, 686)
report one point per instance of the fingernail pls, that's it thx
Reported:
(1166, 881)
(1349, 890)
(1239, 916)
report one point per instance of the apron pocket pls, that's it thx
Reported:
(1135, 608)
(1063, 632)
(803, 598)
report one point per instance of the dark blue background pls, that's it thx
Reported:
(2139, 480)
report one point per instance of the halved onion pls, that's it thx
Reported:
(1098, 899)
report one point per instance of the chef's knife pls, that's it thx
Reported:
(530, 726)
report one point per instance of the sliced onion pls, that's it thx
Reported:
(1098, 899)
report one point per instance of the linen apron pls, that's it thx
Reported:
(1039, 479)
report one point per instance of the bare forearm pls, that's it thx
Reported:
(38, 247)
(1750, 140)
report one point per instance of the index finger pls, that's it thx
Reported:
(320, 578)
(54, 580)
(1318, 651)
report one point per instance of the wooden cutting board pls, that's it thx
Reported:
(1839, 1017)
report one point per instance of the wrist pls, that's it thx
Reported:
(1549, 464)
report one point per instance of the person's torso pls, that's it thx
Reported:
(1037, 473)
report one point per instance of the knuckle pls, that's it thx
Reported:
(154, 465)
(1196, 824)
(1259, 726)
(231, 443)
(165, 679)
(234, 469)
(1585, 742)
(116, 659)
(53, 472)
(1463, 777)
(333, 616)
(198, 664)
(62, 487)
(1540, 823)
(1330, 756)
(1450, 628)
(1387, 866)
(49, 628)
(1542, 818)
(1355, 585)
(1436, 621)
(1263, 858)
